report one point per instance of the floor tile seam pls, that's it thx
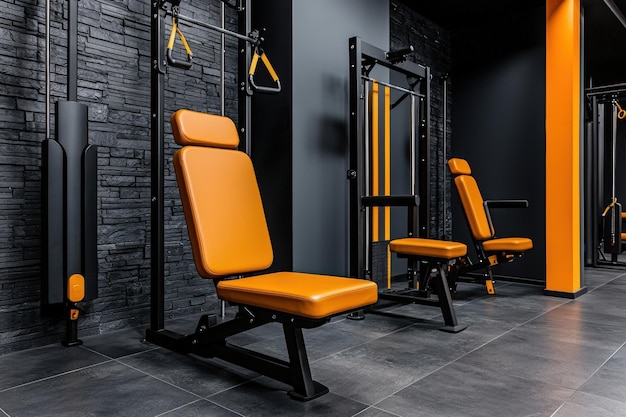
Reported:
(157, 378)
(578, 390)
(608, 282)
(368, 407)
(209, 400)
(600, 367)
(119, 357)
(82, 368)
(360, 344)
(130, 355)
(466, 354)
(198, 401)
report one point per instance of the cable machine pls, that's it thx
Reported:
(365, 196)
(603, 216)
(162, 57)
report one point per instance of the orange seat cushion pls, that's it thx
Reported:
(306, 295)
(508, 244)
(430, 248)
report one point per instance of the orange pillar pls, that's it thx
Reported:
(563, 188)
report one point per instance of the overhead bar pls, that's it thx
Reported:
(394, 87)
(213, 27)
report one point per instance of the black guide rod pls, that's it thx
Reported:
(444, 182)
(47, 69)
(72, 50)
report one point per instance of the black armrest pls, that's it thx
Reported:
(391, 200)
(489, 204)
(505, 204)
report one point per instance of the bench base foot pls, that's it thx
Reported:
(453, 329)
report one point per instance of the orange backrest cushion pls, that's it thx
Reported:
(203, 129)
(471, 198)
(221, 200)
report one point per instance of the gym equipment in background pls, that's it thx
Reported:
(372, 182)
(603, 215)
(490, 250)
(612, 214)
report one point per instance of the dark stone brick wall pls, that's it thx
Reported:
(432, 44)
(114, 81)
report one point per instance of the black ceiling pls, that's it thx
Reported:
(604, 34)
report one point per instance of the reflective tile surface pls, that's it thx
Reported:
(523, 354)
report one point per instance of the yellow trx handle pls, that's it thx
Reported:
(612, 204)
(270, 69)
(621, 113)
(170, 46)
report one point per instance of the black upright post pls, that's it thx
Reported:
(423, 166)
(245, 56)
(355, 174)
(157, 108)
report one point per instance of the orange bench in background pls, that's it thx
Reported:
(490, 250)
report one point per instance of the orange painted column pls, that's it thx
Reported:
(563, 188)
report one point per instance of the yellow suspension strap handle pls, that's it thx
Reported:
(259, 53)
(621, 113)
(170, 46)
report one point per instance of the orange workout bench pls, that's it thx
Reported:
(490, 250)
(230, 238)
(435, 256)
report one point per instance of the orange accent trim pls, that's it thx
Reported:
(563, 87)
(387, 215)
(375, 173)
(75, 288)
(387, 160)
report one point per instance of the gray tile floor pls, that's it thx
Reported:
(524, 354)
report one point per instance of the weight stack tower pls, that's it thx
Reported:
(69, 190)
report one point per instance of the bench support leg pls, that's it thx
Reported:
(304, 388)
(445, 302)
(210, 341)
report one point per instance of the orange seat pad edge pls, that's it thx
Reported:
(301, 294)
(431, 248)
(508, 244)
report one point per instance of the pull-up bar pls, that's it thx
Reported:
(251, 39)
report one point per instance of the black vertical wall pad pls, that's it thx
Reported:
(52, 222)
(272, 130)
(70, 191)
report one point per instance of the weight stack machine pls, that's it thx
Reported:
(69, 200)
